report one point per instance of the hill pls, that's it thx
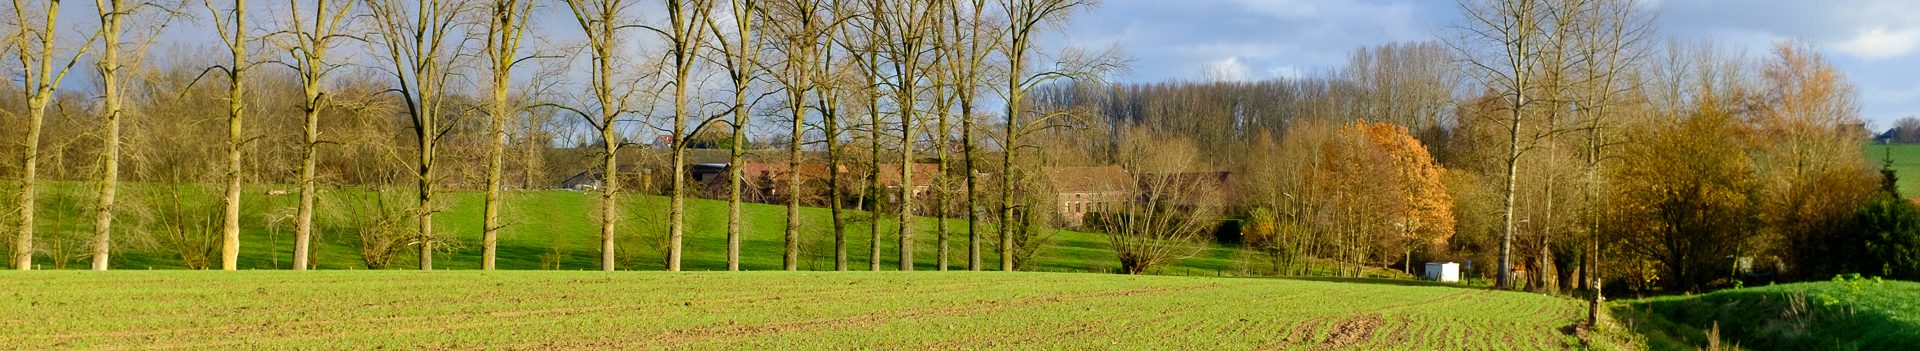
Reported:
(1851, 314)
(759, 310)
(1906, 163)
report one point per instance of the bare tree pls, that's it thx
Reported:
(1612, 46)
(37, 54)
(967, 56)
(1517, 30)
(311, 36)
(505, 29)
(797, 27)
(1025, 20)
(740, 53)
(942, 88)
(825, 74)
(112, 15)
(866, 59)
(603, 20)
(906, 27)
(235, 39)
(422, 42)
(687, 21)
(1176, 206)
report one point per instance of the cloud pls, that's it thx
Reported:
(1187, 39)
(1228, 70)
(1871, 40)
(1880, 43)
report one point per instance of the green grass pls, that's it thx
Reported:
(1853, 315)
(1906, 163)
(557, 228)
(759, 311)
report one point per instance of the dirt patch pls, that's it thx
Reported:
(1349, 332)
(1299, 334)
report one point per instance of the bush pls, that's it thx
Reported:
(1883, 239)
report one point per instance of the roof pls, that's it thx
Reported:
(923, 173)
(1090, 179)
(778, 170)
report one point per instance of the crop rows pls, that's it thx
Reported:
(756, 310)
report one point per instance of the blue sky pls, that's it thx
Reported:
(1876, 43)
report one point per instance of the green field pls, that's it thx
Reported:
(1906, 164)
(759, 311)
(557, 230)
(1859, 314)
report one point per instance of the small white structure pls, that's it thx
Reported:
(1443, 271)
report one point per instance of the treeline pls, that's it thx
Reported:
(445, 95)
(1557, 145)
(1681, 166)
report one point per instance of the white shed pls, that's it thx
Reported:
(1443, 271)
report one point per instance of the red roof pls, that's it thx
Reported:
(923, 173)
(1090, 179)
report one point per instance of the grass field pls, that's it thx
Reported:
(1843, 315)
(758, 310)
(555, 229)
(1906, 164)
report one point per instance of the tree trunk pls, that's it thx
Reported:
(875, 196)
(906, 183)
(30, 165)
(834, 198)
(689, 20)
(973, 216)
(734, 175)
(303, 223)
(1016, 58)
(496, 167)
(939, 187)
(609, 189)
(676, 188)
(425, 191)
(791, 261)
(503, 44)
(1505, 280)
(110, 101)
(1595, 285)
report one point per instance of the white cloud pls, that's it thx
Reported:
(1228, 70)
(1881, 42)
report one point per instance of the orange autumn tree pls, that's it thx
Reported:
(1429, 210)
(1387, 193)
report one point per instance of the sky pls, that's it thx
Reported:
(1875, 43)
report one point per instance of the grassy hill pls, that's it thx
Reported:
(759, 310)
(1906, 163)
(1859, 314)
(557, 230)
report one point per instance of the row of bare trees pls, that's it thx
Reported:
(918, 66)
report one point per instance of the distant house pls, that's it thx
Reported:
(1082, 190)
(583, 181)
(662, 141)
(767, 181)
(593, 179)
(923, 174)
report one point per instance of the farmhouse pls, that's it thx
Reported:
(1080, 190)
